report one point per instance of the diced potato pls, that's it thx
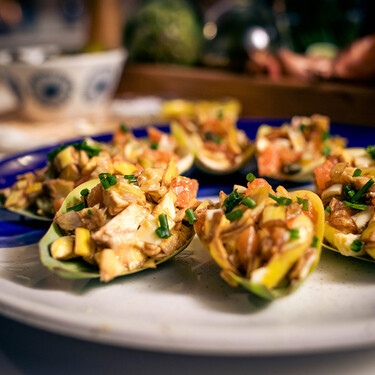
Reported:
(70, 173)
(63, 248)
(84, 245)
(166, 206)
(16, 199)
(35, 188)
(65, 157)
(109, 264)
(170, 173)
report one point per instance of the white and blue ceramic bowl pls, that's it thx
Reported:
(65, 86)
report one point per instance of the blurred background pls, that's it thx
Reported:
(278, 58)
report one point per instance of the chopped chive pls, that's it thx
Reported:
(362, 190)
(232, 200)
(302, 127)
(91, 150)
(163, 220)
(78, 207)
(304, 202)
(124, 128)
(325, 135)
(355, 206)
(154, 145)
(281, 200)
(220, 115)
(103, 175)
(315, 242)
(112, 180)
(250, 177)
(89, 212)
(85, 192)
(248, 202)
(191, 216)
(294, 234)
(326, 150)
(105, 183)
(211, 136)
(356, 246)
(348, 192)
(131, 181)
(51, 156)
(357, 172)
(129, 176)
(107, 180)
(234, 215)
(329, 209)
(163, 231)
(371, 151)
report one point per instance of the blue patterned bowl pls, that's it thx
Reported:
(67, 85)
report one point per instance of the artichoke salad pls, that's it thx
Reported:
(267, 242)
(116, 225)
(292, 151)
(345, 182)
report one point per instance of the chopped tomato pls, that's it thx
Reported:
(322, 174)
(287, 155)
(154, 134)
(185, 190)
(121, 138)
(269, 161)
(258, 183)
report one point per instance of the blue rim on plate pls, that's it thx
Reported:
(15, 230)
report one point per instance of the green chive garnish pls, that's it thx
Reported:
(371, 151)
(234, 215)
(355, 206)
(85, 192)
(304, 202)
(325, 135)
(220, 115)
(211, 136)
(78, 207)
(163, 231)
(163, 220)
(132, 180)
(51, 156)
(302, 127)
(154, 145)
(329, 209)
(191, 216)
(107, 180)
(314, 242)
(326, 150)
(248, 202)
(357, 172)
(250, 177)
(294, 234)
(232, 200)
(129, 176)
(124, 128)
(356, 246)
(89, 212)
(348, 192)
(362, 190)
(103, 175)
(281, 200)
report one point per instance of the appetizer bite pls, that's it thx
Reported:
(155, 151)
(39, 194)
(212, 136)
(117, 225)
(267, 242)
(292, 151)
(348, 194)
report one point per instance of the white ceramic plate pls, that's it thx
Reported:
(185, 307)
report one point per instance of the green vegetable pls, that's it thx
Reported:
(129, 176)
(233, 200)
(304, 202)
(315, 242)
(234, 215)
(248, 202)
(192, 218)
(371, 151)
(302, 127)
(250, 177)
(163, 231)
(220, 115)
(326, 150)
(107, 180)
(294, 234)
(211, 136)
(325, 135)
(154, 145)
(85, 192)
(133, 180)
(357, 172)
(329, 209)
(78, 207)
(91, 150)
(355, 206)
(348, 192)
(124, 128)
(362, 190)
(51, 156)
(89, 212)
(281, 200)
(356, 246)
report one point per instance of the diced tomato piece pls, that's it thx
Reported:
(287, 155)
(269, 161)
(258, 183)
(322, 174)
(154, 134)
(185, 189)
(121, 138)
(311, 212)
